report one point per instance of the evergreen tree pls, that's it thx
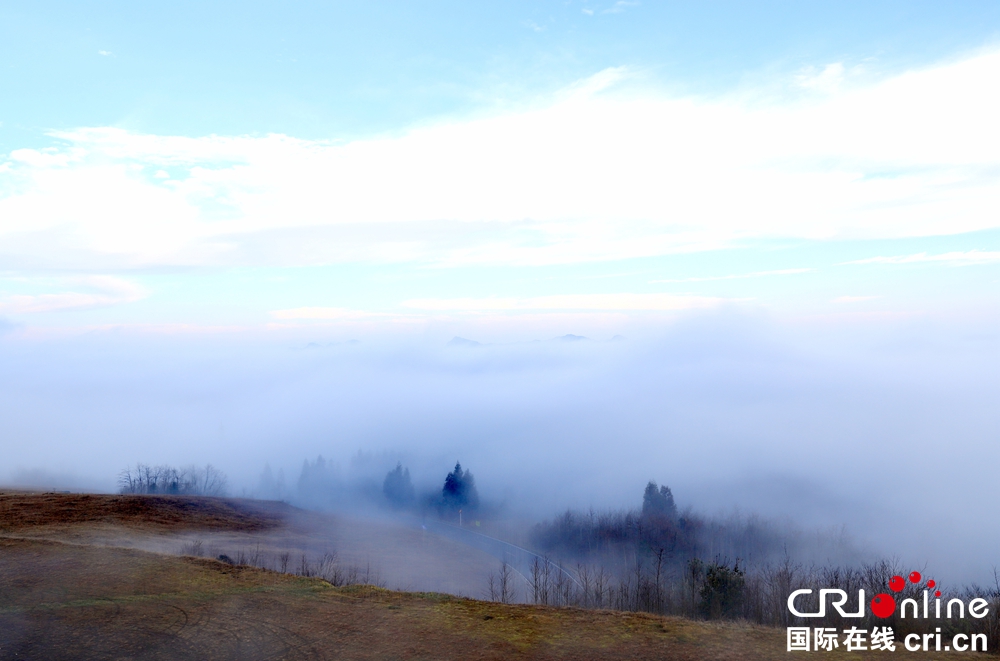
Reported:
(459, 491)
(398, 488)
(722, 591)
(658, 502)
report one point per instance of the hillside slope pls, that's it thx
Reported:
(62, 600)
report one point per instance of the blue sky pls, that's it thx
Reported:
(789, 210)
(259, 165)
(341, 70)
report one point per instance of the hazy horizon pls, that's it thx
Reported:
(246, 236)
(823, 426)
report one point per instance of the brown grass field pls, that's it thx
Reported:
(62, 596)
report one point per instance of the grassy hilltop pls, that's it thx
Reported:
(63, 596)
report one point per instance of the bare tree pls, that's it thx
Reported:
(493, 587)
(562, 592)
(506, 585)
(208, 481)
(213, 481)
(128, 481)
(658, 584)
(540, 581)
(500, 585)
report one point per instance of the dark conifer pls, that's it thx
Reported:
(398, 488)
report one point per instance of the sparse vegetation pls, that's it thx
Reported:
(150, 605)
(500, 586)
(146, 479)
(195, 549)
(22, 511)
(214, 593)
(665, 571)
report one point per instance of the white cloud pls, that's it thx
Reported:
(741, 276)
(620, 6)
(828, 80)
(103, 291)
(324, 313)
(600, 173)
(45, 158)
(624, 301)
(953, 258)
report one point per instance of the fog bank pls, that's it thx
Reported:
(891, 433)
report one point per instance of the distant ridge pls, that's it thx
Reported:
(571, 338)
(462, 342)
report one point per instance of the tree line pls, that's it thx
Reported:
(657, 527)
(729, 590)
(458, 493)
(659, 560)
(189, 480)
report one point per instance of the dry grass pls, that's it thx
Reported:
(28, 510)
(400, 556)
(63, 601)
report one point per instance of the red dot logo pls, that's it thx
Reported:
(883, 605)
(931, 584)
(915, 577)
(896, 584)
(937, 594)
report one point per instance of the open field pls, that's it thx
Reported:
(63, 599)
(21, 511)
(395, 555)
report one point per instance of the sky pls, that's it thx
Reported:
(247, 232)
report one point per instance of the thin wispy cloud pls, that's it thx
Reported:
(325, 313)
(956, 258)
(620, 6)
(98, 291)
(623, 301)
(614, 172)
(741, 276)
(827, 80)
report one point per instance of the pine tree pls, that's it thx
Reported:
(398, 487)
(658, 502)
(459, 491)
